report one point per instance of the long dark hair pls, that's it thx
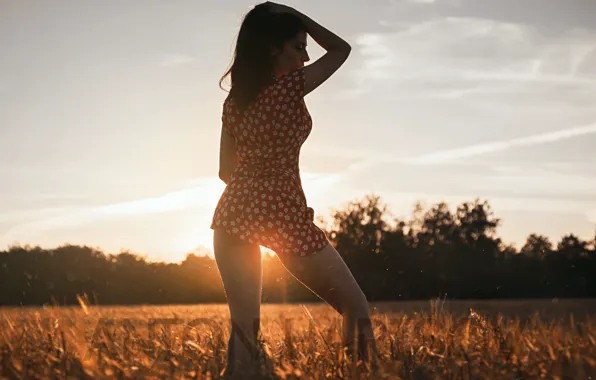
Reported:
(252, 67)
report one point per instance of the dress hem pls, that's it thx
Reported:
(309, 252)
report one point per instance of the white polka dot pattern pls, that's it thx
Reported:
(264, 202)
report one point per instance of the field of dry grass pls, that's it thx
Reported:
(417, 340)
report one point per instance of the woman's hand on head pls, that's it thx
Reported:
(279, 8)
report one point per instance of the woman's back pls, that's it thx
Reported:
(264, 201)
(271, 130)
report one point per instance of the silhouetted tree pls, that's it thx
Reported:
(537, 246)
(357, 233)
(434, 252)
(572, 247)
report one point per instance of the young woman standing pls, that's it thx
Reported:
(264, 124)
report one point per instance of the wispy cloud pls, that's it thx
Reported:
(201, 196)
(204, 195)
(582, 58)
(20, 216)
(455, 57)
(172, 60)
(447, 156)
(52, 196)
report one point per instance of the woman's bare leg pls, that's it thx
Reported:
(326, 274)
(240, 267)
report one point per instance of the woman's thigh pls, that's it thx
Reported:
(240, 267)
(327, 275)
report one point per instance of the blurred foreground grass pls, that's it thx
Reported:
(190, 342)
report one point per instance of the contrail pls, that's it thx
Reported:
(497, 146)
(196, 196)
(446, 156)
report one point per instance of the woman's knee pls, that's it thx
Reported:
(358, 304)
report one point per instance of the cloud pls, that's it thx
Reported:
(397, 5)
(455, 57)
(506, 169)
(172, 60)
(450, 155)
(203, 195)
(22, 216)
(52, 197)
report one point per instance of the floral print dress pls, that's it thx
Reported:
(264, 202)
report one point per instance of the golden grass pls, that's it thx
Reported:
(79, 342)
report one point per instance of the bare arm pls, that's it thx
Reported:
(337, 49)
(228, 157)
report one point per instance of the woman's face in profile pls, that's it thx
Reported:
(293, 56)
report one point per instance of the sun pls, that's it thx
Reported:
(202, 245)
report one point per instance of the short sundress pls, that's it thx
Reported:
(264, 202)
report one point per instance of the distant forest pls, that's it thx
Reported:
(438, 252)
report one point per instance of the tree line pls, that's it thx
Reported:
(436, 252)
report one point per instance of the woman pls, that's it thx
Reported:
(264, 123)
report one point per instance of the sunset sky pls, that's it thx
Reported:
(110, 116)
